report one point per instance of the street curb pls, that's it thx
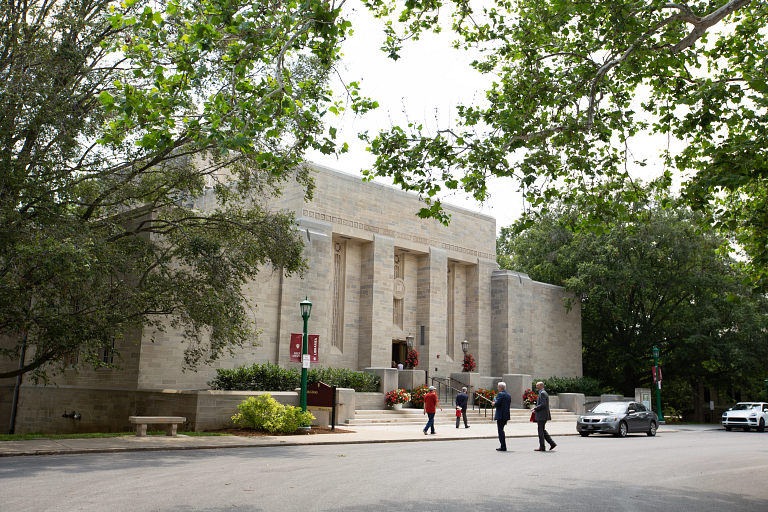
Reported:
(265, 445)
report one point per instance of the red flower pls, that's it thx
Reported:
(469, 363)
(412, 359)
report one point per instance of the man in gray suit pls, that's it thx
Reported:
(542, 415)
(502, 403)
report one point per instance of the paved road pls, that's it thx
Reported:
(682, 471)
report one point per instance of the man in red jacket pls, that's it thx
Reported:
(430, 401)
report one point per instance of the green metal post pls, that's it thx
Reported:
(658, 380)
(303, 369)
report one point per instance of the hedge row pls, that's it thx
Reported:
(584, 385)
(271, 377)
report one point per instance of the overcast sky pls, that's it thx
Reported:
(428, 81)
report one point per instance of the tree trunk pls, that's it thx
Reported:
(698, 401)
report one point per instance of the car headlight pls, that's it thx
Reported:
(610, 418)
(753, 415)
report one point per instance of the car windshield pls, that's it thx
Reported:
(744, 407)
(615, 407)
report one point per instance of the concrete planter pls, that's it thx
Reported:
(397, 407)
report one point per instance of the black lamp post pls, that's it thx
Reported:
(306, 309)
(658, 383)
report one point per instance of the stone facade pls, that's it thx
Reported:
(377, 274)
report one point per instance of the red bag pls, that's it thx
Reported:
(533, 416)
(458, 412)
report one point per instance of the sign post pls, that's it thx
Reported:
(306, 309)
(657, 382)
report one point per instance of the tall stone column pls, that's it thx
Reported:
(316, 286)
(512, 333)
(432, 310)
(479, 313)
(376, 280)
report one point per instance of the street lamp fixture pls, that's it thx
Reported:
(656, 352)
(465, 346)
(306, 309)
(409, 342)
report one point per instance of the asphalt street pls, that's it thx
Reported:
(681, 471)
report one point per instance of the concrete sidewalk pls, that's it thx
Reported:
(361, 435)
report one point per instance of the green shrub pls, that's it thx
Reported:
(362, 382)
(265, 413)
(293, 418)
(257, 377)
(271, 377)
(584, 385)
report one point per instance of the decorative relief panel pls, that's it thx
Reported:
(399, 289)
(339, 274)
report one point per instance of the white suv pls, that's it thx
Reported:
(746, 415)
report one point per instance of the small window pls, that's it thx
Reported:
(108, 354)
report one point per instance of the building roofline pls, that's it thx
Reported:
(396, 190)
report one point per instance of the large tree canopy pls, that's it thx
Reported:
(659, 281)
(113, 118)
(577, 80)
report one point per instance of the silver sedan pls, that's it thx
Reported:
(619, 419)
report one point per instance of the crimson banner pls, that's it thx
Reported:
(313, 347)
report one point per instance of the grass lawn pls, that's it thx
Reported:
(31, 437)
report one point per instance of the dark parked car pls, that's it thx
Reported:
(619, 419)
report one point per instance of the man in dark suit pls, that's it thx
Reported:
(461, 402)
(502, 403)
(542, 416)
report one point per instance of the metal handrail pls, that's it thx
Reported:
(486, 409)
(441, 384)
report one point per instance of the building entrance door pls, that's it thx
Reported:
(399, 351)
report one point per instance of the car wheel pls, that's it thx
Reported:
(622, 430)
(761, 427)
(652, 431)
(728, 429)
(584, 434)
(747, 429)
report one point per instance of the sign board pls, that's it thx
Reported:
(305, 361)
(296, 339)
(313, 347)
(320, 397)
(320, 394)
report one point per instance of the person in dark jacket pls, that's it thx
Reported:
(502, 403)
(461, 402)
(542, 416)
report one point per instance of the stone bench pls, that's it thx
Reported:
(170, 422)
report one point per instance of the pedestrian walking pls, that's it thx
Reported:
(542, 416)
(502, 403)
(430, 403)
(461, 407)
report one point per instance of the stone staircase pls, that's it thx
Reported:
(446, 417)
